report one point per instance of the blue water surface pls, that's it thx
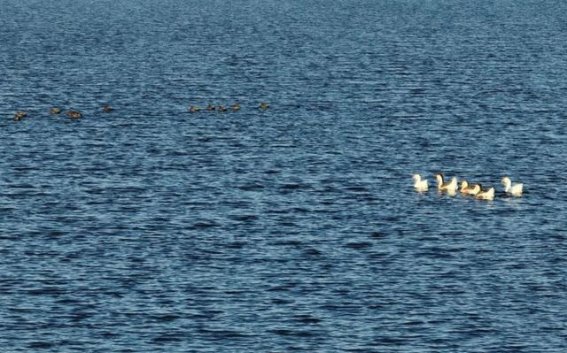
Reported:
(291, 229)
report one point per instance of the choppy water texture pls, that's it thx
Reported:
(295, 229)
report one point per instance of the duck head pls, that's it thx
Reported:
(440, 179)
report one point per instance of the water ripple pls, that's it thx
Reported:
(153, 229)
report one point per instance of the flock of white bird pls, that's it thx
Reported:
(473, 189)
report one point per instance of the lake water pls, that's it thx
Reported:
(294, 229)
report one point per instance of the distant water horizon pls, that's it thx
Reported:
(294, 228)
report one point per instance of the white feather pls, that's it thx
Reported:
(486, 194)
(450, 187)
(419, 184)
(512, 189)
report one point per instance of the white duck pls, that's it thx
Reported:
(485, 194)
(419, 184)
(469, 189)
(450, 187)
(515, 189)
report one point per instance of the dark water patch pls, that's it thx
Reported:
(307, 319)
(282, 288)
(245, 218)
(236, 245)
(10, 238)
(286, 223)
(356, 189)
(312, 252)
(287, 188)
(281, 301)
(299, 210)
(108, 334)
(218, 334)
(202, 225)
(358, 245)
(288, 242)
(392, 219)
(69, 301)
(293, 333)
(272, 171)
(41, 345)
(165, 318)
(377, 235)
(77, 317)
(438, 255)
(252, 186)
(168, 338)
(342, 308)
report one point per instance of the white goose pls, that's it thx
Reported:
(515, 189)
(450, 187)
(485, 194)
(419, 184)
(469, 189)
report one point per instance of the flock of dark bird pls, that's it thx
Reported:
(221, 108)
(76, 114)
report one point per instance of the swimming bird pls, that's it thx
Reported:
(194, 109)
(235, 107)
(19, 115)
(264, 106)
(419, 184)
(512, 189)
(210, 107)
(221, 108)
(55, 111)
(74, 114)
(469, 189)
(485, 194)
(107, 108)
(450, 187)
